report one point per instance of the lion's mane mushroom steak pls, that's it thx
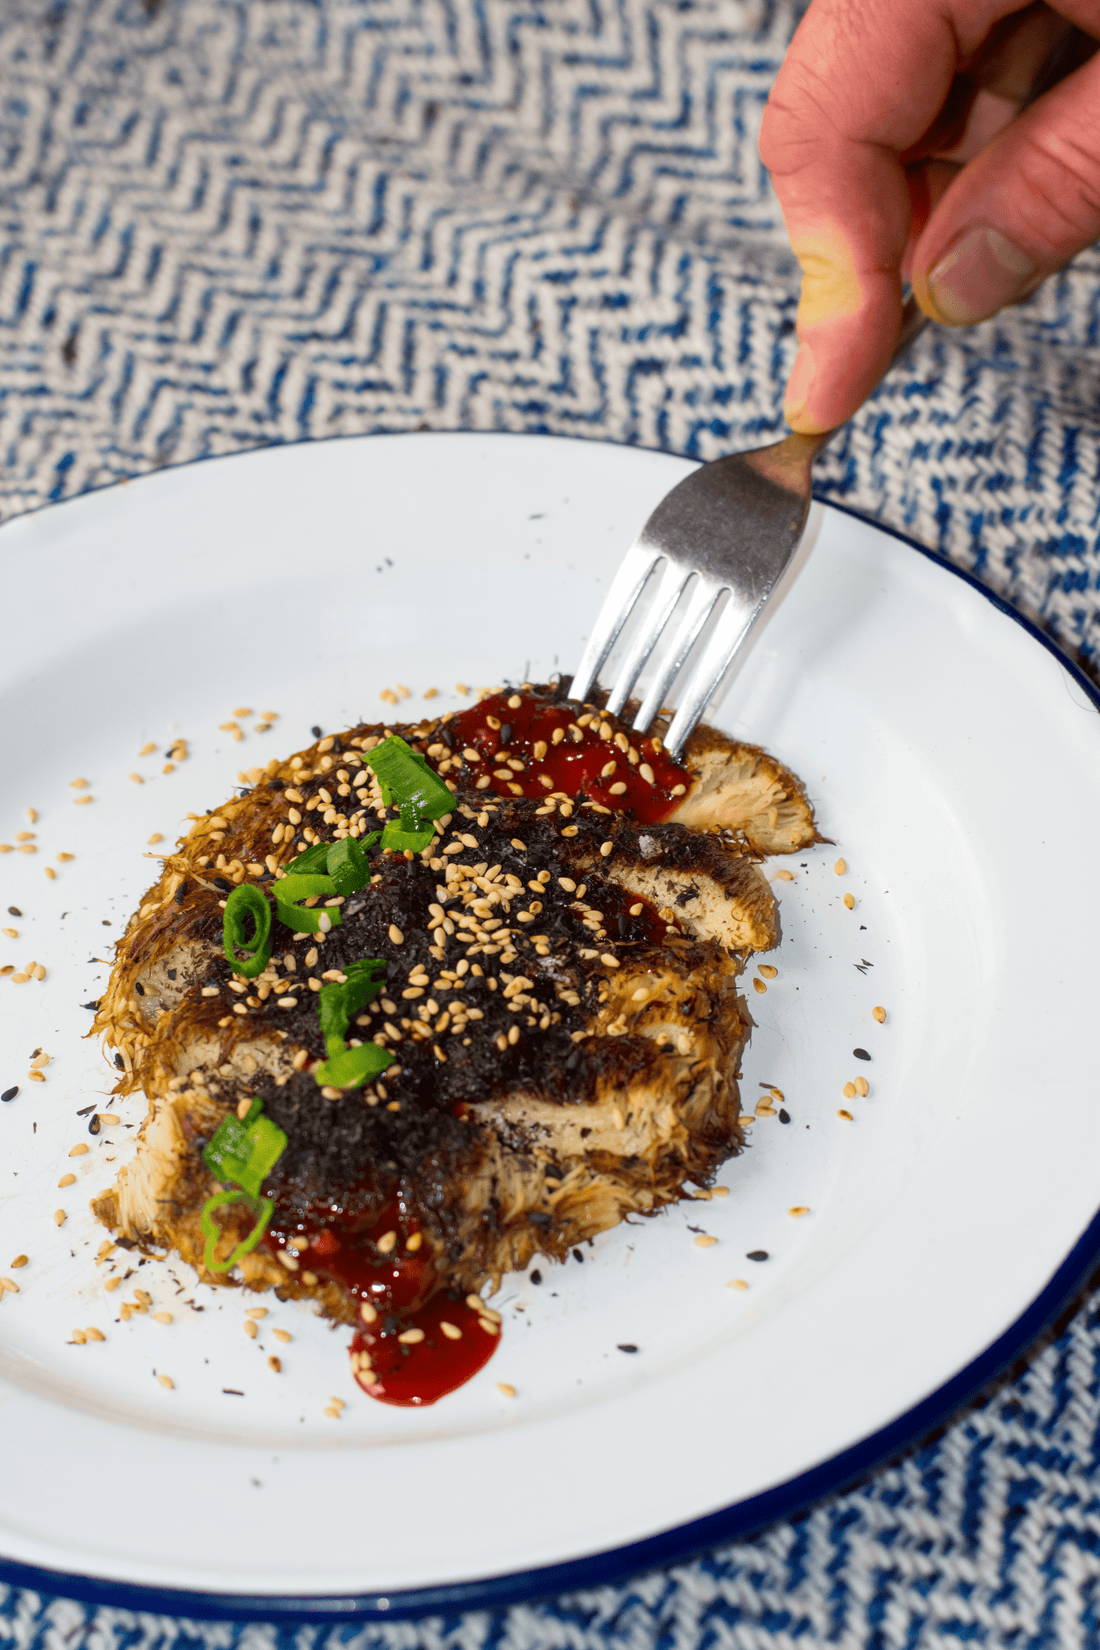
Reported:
(561, 997)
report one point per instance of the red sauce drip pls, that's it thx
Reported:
(412, 1375)
(402, 1290)
(572, 765)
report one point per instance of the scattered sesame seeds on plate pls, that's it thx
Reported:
(860, 1307)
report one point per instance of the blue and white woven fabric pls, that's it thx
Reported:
(226, 223)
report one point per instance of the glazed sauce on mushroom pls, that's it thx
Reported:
(517, 744)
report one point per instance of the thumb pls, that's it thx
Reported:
(1020, 210)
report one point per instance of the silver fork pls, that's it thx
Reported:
(736, 524)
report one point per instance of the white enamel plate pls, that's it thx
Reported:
(953, 760)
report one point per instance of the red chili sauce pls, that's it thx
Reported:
(515, 741)
(398, 1290)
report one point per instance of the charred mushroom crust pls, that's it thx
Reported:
(562, 1001)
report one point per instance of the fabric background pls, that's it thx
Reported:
(228, 223)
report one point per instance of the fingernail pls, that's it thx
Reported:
(799, 383)
(981, 273)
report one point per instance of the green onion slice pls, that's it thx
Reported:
(410, 780)
(327, 858)
(338, 1004)
(247, 927)
(348, 866)
(354, 1066)
(243, 1150)
(405, 833)
(303, 920)
(212, 1232)
(310, 862)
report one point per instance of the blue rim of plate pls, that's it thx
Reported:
(795, 1497)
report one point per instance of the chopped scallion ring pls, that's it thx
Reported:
(211, 1231)
(354, 1066)
(302, 919)
(247, 927)
(398, 835)
(348, 866)
(311, 862)
(410, 781)
(244, 1151)
(338, 1004)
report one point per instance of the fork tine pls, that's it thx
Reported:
(707, 674)
(669, 591)
(700, 605)
(626, 587)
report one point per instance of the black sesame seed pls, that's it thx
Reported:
(316, 732)
(85, 1111)
(14, 911)
(784, 1115)
(220, 882)
(171, 973)
(536, 1276)
(92, 1006)
(120, 1062)
(506, 733)
(181, 893)
(389, 1324)
(578, 1256)
(139, 988)
(861, 1054)
(10, 1094)
(757, 1254)
(627, 1346)
(93, 1123)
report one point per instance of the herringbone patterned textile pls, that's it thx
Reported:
(226, 223)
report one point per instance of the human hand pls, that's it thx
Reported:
(896, 142)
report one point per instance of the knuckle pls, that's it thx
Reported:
(1058, 184)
